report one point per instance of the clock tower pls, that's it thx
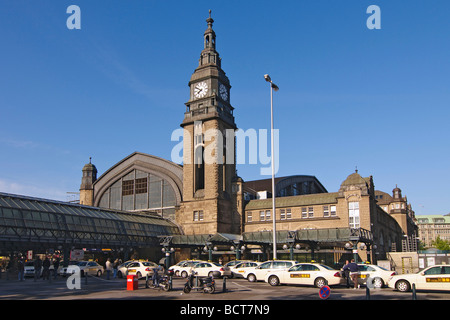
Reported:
(210, 184)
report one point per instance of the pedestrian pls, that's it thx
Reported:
(115, 267)
(55, 268)
(21, 269)
(108, 268)
(352, 267)
(346, 274)
(37, 268)
(46, 270)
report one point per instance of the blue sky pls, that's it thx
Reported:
(349, 96)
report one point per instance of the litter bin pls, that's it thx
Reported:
(132, 282)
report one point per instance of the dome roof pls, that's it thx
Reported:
(353, 179)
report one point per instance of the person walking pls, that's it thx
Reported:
(115, 267)
(352, 267)
(37, 268)
(46, 271)
(21, 269)
(346, 274)
(55, 268)
(108, 268)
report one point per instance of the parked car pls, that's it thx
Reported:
(207, 269)
(239, 269)
(378, 276)
(122, 269)
(313, 274)
(62, 270)
(432, 278)
(182, 268)
(143, 268)
(258, 273)
(29, 269)
(86, 268)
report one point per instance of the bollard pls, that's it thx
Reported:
(224, 286)
(367, 293)
(414, 296)
(146, 281)
(170, 282)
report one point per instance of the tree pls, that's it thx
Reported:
(441, 244)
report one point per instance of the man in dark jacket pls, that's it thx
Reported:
(352, 267)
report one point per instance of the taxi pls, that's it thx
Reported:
(143, 268)
(238, 270)
(207, 269)
(258, 273)
(182, 268)
(378, 276)
(432, 278)
(313, 274)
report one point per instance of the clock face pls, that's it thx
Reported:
(200, 89)
(223, 92)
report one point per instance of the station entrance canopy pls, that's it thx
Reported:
(31, 223)
(311, 237)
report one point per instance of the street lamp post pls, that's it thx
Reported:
(273, 86)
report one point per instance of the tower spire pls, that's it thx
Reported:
(210, 35)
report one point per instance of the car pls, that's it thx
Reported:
(29, 269)
(62, 270)
(182, 268)
(238, 270)
(378, 276)
(143, 269)
(259, 272)
(436, 277)
(207, 269)
(313, 274)
(86, 268)
(122, 268)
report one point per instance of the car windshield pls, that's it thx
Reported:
(217, 264)
(82, 264)
(27, 264)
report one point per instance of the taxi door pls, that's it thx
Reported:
(300, 274)
(435, 278)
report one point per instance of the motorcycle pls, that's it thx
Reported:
(207, 284)
(160, 282)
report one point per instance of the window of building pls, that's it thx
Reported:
(304, 213)
(282, 214)
(333, 211)
(353, 214)
(141, 185)
(310, 212)
(198, 215)
(267, 215)
(326, 212)
(249, 216)
(127, 187)
(262, 215)
(288, 214)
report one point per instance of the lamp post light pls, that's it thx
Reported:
(273, 86)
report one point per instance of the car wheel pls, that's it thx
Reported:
(274, 281)
(378, 283)
(320, 282)
(177, 273)
(139, 275)
(119, 274)
(99, 273)
(211, 274)
(251, 277)
(403, 286)
(184, 274)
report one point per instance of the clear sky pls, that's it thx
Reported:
(349, 96)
